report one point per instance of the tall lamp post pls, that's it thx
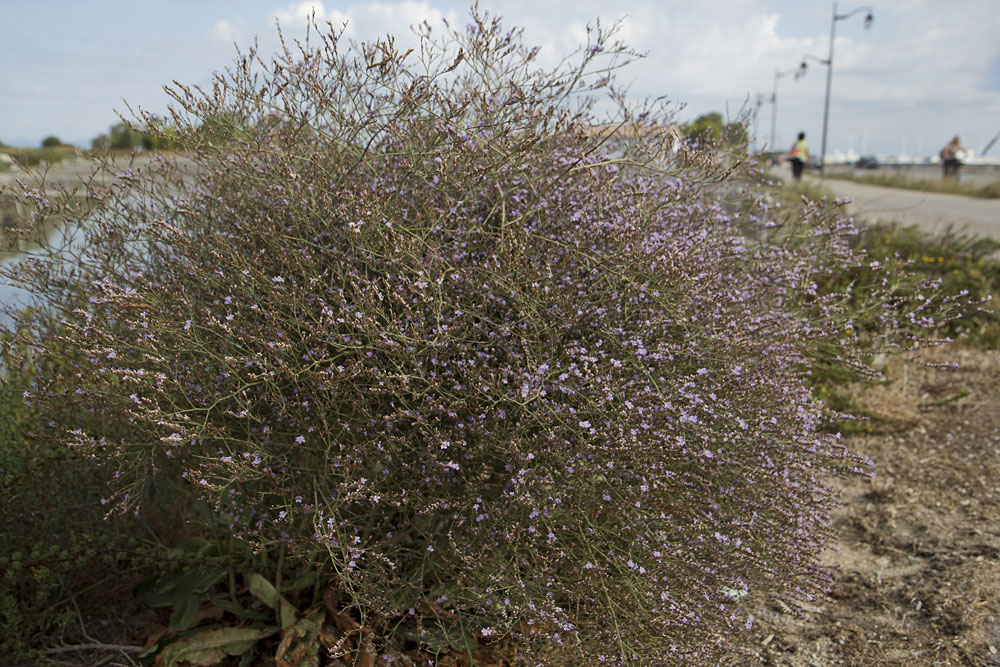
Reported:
(758, 102)
(798, 71)
(869, 17)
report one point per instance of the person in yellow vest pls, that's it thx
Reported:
(798, 156)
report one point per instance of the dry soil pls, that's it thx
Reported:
(918, 578)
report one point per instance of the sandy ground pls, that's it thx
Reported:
(918, 548)
(917, 555)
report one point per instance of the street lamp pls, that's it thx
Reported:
(822, 61)
(758, 102)
(869, 17)
(798, 71)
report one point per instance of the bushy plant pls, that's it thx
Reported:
(963, 269)
(711, 128)
(124, 137)
(962, 263)
(33, 157)
(961, 266)
(59, 551)
(413, 323)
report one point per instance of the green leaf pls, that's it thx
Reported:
(203, 510)
(162, 590)
(211, 646)
(463, 642)
(238, 610)
(184, 600)
(263, 590)
(157, 598)
(307, 579)
(155, 591)
(300, 640)
(185, 607)
(188, 548)
(287, 613)
(200, 580)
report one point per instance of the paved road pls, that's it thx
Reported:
(930, 211)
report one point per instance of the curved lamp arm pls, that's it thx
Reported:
(805, 66)
(869, 17)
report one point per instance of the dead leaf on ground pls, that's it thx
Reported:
(300, 643)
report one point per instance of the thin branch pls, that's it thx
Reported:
(124, 648)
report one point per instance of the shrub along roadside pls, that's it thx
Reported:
(33, 157)
(962, 266)
(456, 367)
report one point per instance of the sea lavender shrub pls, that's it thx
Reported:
(492, 363)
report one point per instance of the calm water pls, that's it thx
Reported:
(60, 236)
(68, 173)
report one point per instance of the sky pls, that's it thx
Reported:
(925, 71)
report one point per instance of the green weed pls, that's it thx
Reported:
(33, 157)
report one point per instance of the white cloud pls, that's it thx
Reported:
(367, 20)
(299, 14)
(225, 31)
(917, 72)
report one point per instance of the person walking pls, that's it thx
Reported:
(951, 158)
(798, 156)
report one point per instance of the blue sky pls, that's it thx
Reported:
(925, 71)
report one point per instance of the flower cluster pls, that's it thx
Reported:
(491, 363)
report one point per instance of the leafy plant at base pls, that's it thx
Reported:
(58, 550)
(964, 265)
(414, 325)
